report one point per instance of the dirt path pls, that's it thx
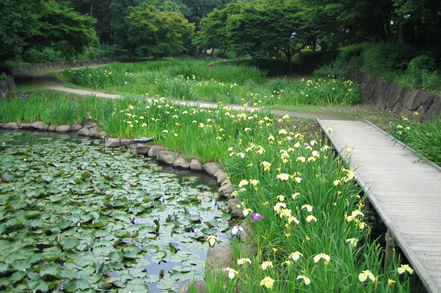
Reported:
(45, 80)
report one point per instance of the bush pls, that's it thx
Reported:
(42, 56)
(316, 58)
(420, 72)
(383, 58)
(331, 71)
(348, 56)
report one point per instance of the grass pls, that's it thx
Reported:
(302, 203)
(423, 137)
(228, 84)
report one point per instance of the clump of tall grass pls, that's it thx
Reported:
(196, 80)
(423, 137)
(49, 108)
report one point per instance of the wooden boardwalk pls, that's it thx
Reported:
(405, 191)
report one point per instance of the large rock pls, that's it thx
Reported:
(11, 125)
(195, 165)
(218, 259)
(39, 125)
(211, 168)
(75, 127)
(94, 132)
(62, 128)
(154, 150)
(167, 157)
(181, 163)
(226, 188)
(220, 176)
(25, 125)
(233, 207)
(112, 142)
(84, 131)
(142, 149)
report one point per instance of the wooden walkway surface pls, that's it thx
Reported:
(405, 191)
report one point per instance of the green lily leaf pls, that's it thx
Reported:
(52, 269)
(69, 243)
(17, 276)
(77, 284)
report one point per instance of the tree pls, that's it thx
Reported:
(213, 33)
(158, 33)
(18, 22)
(419, 22)
(195, 10)
(35, 25)
(264, 28)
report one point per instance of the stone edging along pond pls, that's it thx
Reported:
(218, 257)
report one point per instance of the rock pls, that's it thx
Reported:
(101, 134)
(248, 234)
(93, 132)
(181, 163)
(154, 150)
(195, 165)
(39, 125)
(75, 127)
(220, 176)
(167, 157)
(142, 149)
(210, 168)
(218, 258)
(226, 188)
(125, 142)
(62, 128)
(84, 131)
(233, 208)
(199, 286)
(52, 128)
(25, 125)
(11, 125)
(113, 142)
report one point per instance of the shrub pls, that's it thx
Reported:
(349, 55)
(383, 58)
(420, 71)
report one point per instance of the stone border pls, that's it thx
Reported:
(400, 100)
(218, 257)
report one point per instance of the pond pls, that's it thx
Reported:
(73, 218)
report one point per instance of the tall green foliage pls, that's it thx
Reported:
(28, 25)
(157, 33)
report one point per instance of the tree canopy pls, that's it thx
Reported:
(26, 25)
(157, 33)
(258, 28)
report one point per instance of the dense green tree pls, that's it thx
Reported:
(213, 33)
(30, 24)
(195, 10)
(260, 28)
(419, 22)
(157, 33)
(17, 24)
(63, 29)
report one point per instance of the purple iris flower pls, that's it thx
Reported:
(257, 216)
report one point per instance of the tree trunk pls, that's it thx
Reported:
(91, 8)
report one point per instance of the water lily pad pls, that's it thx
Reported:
(77, 284)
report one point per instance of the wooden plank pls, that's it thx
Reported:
(405, 191)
